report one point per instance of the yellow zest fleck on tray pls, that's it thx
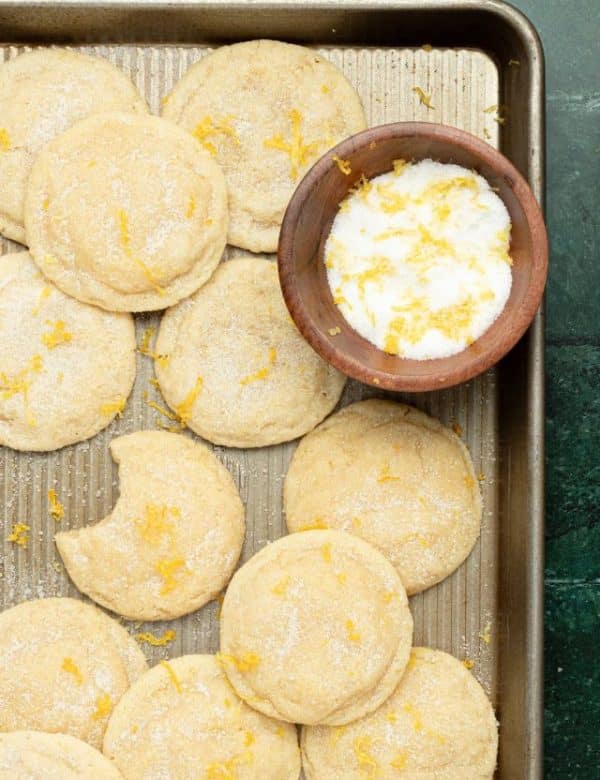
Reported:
(326, 552)
(352, 633)
(113, 408)
(392, 717)
(19, 534)
(468, 663)
(157, 641)
(337, 733)
(325, 89)
(244, 663)
(424, 99)
(298, 151)
(427, 47)
(280, 588)
(173, 677)
(57, 335)
(144, 348)
(168, 570)
(45, 293)
(457, 428)
(481, 477)
(334, 331)
(280, 731)
(249, 738)
(103, 707)
(56, 509)
(262, 373)
(486, 634)
(389, 595)
(341, 577)
(343, 165)
(191, 207)
(4, 140)
(69, 666)
(208, 128)
(362, 748)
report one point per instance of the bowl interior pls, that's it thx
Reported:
(308, 221)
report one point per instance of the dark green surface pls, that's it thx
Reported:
(570, 31)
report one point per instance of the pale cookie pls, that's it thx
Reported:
(42, 93)
(437, 725)
(35, 755)
(66, 368)
(316, 628)
(126, 212)
(63, 667)
(395, 477)
(234, 368)
(173, 539)
(267, 111)
(183, 721)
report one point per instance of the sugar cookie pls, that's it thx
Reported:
(126, 212)
(316, 628)
(437, 725)
(42, 93)
(66, 368)
(35, 755)
(173, 539)
(395, 477)
(183, 720)
(267, 111)
(63, 667)
(233, 362)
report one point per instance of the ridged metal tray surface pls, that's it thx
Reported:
(489, 611)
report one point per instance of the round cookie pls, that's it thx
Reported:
(126, 212)
(395, 477)
(66, 368)
(267, 111)
(183, 720)
(36, 755)
(173, 539)
(316, 628)
(63, 667)
(42, 93)
(437, 725)
(232, 359)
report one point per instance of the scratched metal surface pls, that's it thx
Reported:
(460, 615)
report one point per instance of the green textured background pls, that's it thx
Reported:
(570, 31)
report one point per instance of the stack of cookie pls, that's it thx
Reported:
(125, 212)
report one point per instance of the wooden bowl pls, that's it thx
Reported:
(307, 223)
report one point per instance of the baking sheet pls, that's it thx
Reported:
(466, 614)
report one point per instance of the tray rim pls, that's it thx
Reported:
(534, 172)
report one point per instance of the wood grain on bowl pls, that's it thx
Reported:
(307, 223)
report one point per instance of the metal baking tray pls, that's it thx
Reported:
(484, 53)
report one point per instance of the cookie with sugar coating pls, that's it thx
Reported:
(126, 212)
(315, 628)
(63, 667)
(397, 478)
(42, 93)
(66, 368)
(234, 365)
(267, 111)
(36, 755)
(437, 725)
(183, 720)
(174, 537)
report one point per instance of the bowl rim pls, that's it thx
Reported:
(407, 381)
